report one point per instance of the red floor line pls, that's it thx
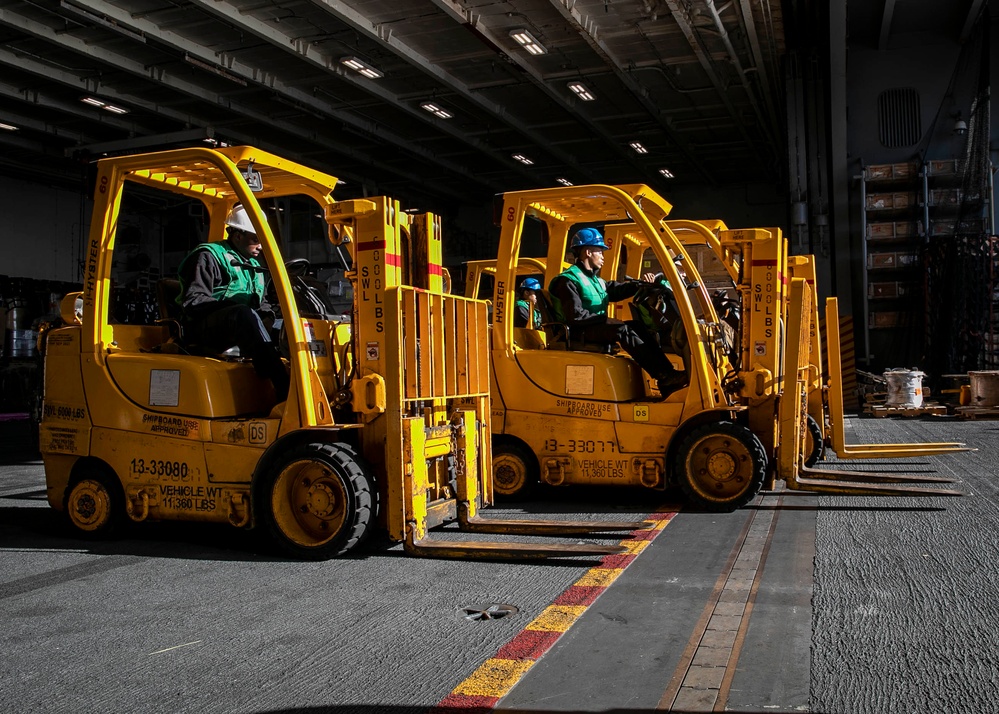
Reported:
(530, 645)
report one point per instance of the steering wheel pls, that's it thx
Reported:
(296, 266)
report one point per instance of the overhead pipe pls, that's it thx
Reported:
(766, 122)
(680, 16)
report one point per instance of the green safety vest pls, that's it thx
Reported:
(592, 291)
(243, 286)
(527, 306)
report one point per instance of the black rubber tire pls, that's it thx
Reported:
(318, 501)
(737, 456)
(94, 503)
(515, 471)
(813, 439)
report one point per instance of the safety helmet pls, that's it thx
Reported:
(239, 220)
(530, 284)
(588, 238)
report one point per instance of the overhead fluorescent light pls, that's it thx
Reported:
(637, 146)
(563, 181)
(666, 172)
(107, 106)
(8, 127)
(581, 91)
(527, 40)
(360, 67)
(523, 159)
(437, 110)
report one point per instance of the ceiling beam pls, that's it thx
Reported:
(586, 27)
(47, 72)
(974, 12)
(160, 76)
(303, 50)
(681, 16)
(384, 38)
(232, 65)
(766, 119)
(452, 9)
(145, 142)
(886, 16)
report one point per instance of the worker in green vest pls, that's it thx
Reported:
(580, 297)
(527, 303)
(222, 299)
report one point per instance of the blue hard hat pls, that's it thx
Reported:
(588, 238)
(530, 284)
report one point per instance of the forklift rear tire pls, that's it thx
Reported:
(318, 501)
(515, 471)
(813, 441)
(94, 503)
(720, 467)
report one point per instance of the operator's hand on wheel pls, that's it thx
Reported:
(650, 277)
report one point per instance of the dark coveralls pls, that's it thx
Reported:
(223, 306)
(595, 326)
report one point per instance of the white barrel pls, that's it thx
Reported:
(984, 388)
(905, 388)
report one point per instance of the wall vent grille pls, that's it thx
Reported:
(898, 117)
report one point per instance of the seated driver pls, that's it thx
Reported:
(222, 299)
(527, 303)
(580, 298)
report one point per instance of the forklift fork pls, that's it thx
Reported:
(837, 417)
(792, 413)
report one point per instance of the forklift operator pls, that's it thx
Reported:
(580, 299)
(527, 304)
(222, 299)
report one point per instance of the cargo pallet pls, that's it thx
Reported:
(977, 412)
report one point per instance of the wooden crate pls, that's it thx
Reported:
(943, 167)
(945, 197)
(890, 289)
(892, 172)
(891, 230)
(890, 201)
(889, 260)
(882, 319)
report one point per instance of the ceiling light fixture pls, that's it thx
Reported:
(523, 159)
(95, 102)
(360, 67)
(637, 146)
(666, 172)
(581, 91)
(437, 110)
(8, 127)
(526, 39)
(563, 181)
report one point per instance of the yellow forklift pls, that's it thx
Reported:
(712, 242)
(573, 415)
(387, 422)
(570, 416)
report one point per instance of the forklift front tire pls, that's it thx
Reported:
(94, 503)
(318, 501)
(721, 467)
(515, 471)
(814, 447)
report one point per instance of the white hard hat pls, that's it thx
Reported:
(238, 219)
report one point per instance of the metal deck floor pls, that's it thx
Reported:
(796, 603)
